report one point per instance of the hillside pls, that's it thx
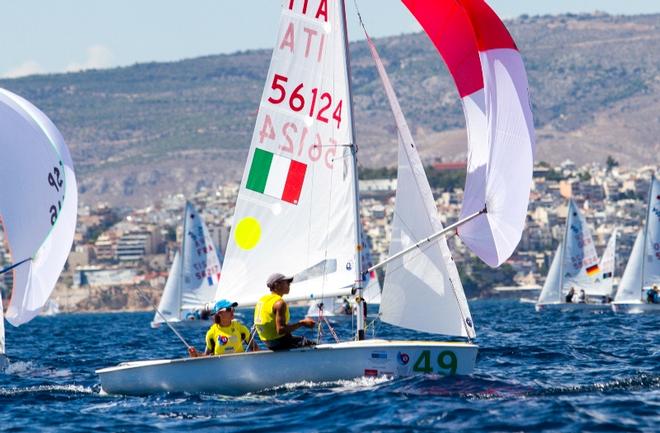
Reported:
(146, 130)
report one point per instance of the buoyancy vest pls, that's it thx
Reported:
(264, 317)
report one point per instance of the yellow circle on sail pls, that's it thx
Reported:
(248, 233)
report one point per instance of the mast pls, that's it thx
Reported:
(360, 320)
(563, 251)
(646, 232)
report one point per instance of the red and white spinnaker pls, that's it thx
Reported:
(491, 80)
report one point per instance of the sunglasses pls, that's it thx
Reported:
(230, 309)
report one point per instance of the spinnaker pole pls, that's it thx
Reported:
(427, 240)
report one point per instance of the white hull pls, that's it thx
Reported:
(572, 307)
(242, 373)
(636, 308)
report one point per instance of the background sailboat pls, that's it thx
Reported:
(194, 274)
(575, 265)
(643, 269)
(297, 213)
(38, 205)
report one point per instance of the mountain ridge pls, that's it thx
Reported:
(139, 132)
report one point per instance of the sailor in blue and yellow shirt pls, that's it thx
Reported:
(226, 335)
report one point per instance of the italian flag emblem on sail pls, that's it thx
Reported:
(276, 176)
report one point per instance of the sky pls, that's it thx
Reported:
(51, 36)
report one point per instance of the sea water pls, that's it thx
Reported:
(574, 371)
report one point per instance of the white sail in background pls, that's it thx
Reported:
(170, 302)
(604, 283)
(38, 203)
(551, 292)
(630, 286)
(422, 290)
(296, 208)
(580, 262)
(200, 265)
(651, 274)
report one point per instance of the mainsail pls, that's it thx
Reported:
(38, 203)
(643, 268)
(580, 261)
(422, 290)
(492, 83)
(296, 211)
(200, 265)
(651, 267)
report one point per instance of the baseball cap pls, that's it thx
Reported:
(276, 278)
(222, 304)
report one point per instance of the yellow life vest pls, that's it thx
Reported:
(227, 339)
(264, 317)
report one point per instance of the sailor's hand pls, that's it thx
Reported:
(307, 322)
(193, 352)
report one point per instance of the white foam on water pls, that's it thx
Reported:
(19, 367)
(24, 368)
(343, 385)
(77, 389)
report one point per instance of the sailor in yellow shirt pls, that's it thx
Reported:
(271, 317)
(226, 335)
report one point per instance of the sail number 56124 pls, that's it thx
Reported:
(314, 103)
(446, 362)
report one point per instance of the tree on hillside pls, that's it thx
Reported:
(611, 163)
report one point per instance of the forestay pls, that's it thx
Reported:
(38, 203)
(492, 83)
(296, 208)
(580, 261)
(551, 292)
(422, 289)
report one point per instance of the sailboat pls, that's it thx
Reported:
(643, 269)
(193, 277)
(297, 212)
(575, 268)
(38, 206)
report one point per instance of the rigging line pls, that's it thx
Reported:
(183, 340)
(10, 267)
